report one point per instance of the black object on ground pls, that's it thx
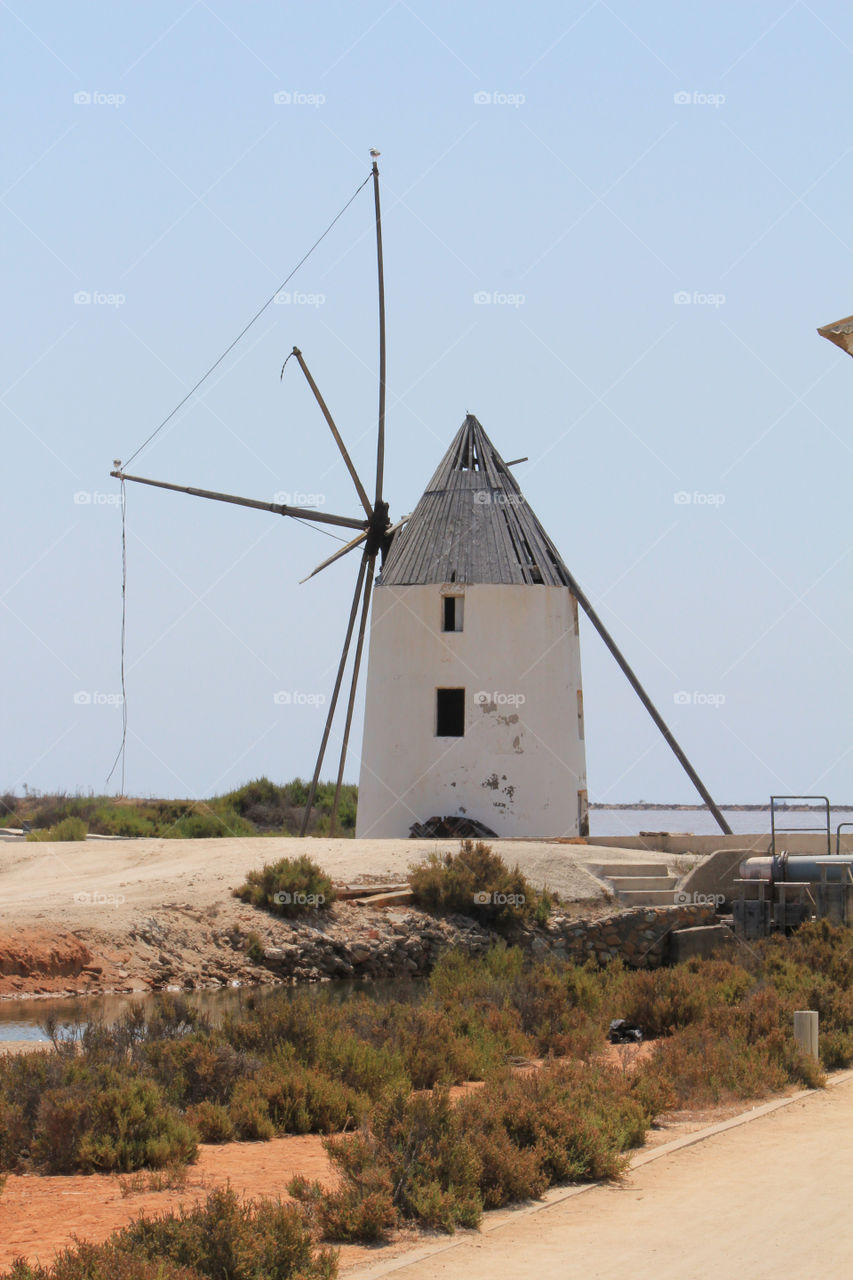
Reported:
(622, 1032)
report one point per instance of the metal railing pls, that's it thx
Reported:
(775, 828)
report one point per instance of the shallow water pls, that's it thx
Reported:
(699, 822)
(24, 1019)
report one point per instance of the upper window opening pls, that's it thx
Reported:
(451, 613)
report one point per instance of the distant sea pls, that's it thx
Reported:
(699, 822)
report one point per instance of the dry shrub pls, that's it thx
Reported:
(362, 1210)
(662, 1001)
(211, 1121)
(289, 887)
(100, 1262)
(228, 1239)
(420, 1145)
(441, 1164)
(474, 882)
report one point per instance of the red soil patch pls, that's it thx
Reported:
(46, 958)
(41, 1215)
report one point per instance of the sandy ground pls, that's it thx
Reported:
(82, 885)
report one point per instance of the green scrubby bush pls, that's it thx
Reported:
(211, 1121)
(207, 825)
(142, 1091)
(62, 1114)
(260, 807)
(229, 1239)
(84, 1261)
(67, 829)
(474, 882)
(288, 887)
(223, 1238)
(439, 1163)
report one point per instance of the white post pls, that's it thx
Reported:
(806, 1031)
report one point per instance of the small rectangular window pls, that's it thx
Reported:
(451, 613)
(450, 713)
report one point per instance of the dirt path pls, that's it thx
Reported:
(765, 1199)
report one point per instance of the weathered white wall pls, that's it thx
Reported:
(521, 764)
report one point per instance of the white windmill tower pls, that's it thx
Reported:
(474, 703)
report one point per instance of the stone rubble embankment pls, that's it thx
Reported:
(180, 948)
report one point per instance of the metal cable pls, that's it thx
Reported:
(246, 329)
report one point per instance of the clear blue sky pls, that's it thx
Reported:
(626, 154)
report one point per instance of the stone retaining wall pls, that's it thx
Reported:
(641, 937)
(402, 944)
(397, 945)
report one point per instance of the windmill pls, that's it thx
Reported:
(472, 498)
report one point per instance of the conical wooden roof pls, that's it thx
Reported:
(473, 524)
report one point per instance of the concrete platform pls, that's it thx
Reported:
(704, 940)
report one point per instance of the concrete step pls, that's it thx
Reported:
(646, 897)
(643, 882)
(609, 869)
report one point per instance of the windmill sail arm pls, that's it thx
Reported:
(277, 508)
(359, 487)
(350, 546)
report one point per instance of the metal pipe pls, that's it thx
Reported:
(801, 869)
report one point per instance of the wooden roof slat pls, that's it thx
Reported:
(451, 537)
